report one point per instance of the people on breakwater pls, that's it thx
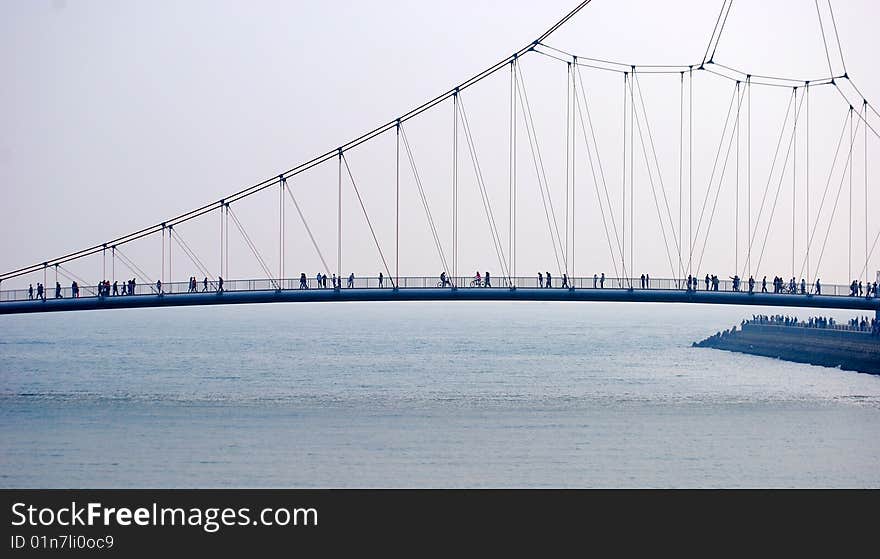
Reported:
(858, 324)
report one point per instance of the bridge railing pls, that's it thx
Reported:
(412, 282)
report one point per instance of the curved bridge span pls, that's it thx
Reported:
(443, 294)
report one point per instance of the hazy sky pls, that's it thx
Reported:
(117, 115)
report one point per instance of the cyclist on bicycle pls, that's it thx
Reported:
(444, 281)
(478, 281)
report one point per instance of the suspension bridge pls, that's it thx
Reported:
(755, 206)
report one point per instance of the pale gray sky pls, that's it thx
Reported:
(118, 115)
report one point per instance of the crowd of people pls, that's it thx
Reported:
(857, 324)
(545, 280)
(336, 282)
(103, 289)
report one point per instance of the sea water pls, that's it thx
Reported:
(421, 395)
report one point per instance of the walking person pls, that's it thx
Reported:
(31, 292)
(302, 281)
(351, 280)
(565, 281)
(549, 283)
(602, 281)
(540, 280)
(381, 280)
(488, 280)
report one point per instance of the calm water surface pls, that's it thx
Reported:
(420, 395)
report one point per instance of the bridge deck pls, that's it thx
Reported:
(444, 294)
